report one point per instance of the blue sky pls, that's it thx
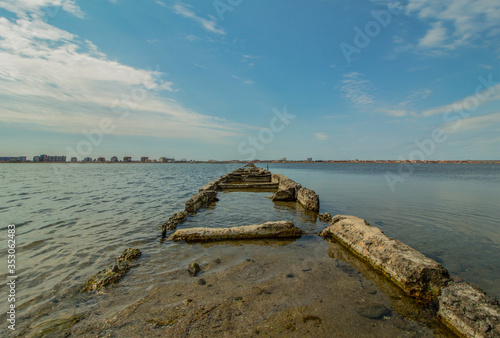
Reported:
(241, 79)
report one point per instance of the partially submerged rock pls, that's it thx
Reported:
(248, 186)
(467, 310)
(174, 221)
(287, 188)
(114, 272)
(193, 269)
(202, 199)
(419, 276)
(279, 229)
(309, 199)
(326, 217)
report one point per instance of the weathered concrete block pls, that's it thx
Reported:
(469, 311)
(284, 195)
(419, 276)
(279, 229)
(201, 199)
(246, 186)
(287, 188)
(309, 199)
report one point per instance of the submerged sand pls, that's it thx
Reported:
(259, 288)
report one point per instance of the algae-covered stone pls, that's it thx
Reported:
(174, 221)
(113, 273)
(280, 229)
(326, 217)
(202, 199)
(129, 255)
(193, 269)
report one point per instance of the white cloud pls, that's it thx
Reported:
(52, 79)
(208, 24)
(435, 37)
(245, 81)
(354, 89)
(467, 19)
(467, 103)
(396, 112)
(321, 136)
(248, 56)
(475, 123)
(23, 8)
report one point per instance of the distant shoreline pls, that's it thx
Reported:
(279, 162)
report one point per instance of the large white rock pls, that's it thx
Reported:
(279, 229)
(419, 276)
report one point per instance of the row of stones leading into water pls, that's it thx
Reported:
(250, 178)
(464, 308)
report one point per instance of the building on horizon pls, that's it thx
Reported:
(114, 159)
(87, 159)
(144, 159)
(49, 158)
(74, 159)
(13, 159)
(101, 159)
(127, 159)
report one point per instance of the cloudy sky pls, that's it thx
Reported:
(241, 79)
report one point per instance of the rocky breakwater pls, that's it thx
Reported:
(247, 178)
(419, 276)
(279, 229)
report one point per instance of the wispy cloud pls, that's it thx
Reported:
(23, 8)
(321, 136)
(161, 3)
(478, 99)
(474, 123)
(248, 56)
(52, 79)
(355, 88)
(245, 81)
(435, 37)
(466, 19)
(208, 24)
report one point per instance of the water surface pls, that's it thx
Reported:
(72, 220)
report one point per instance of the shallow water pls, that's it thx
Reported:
(72, 220)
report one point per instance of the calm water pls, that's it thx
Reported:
(72, 220)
